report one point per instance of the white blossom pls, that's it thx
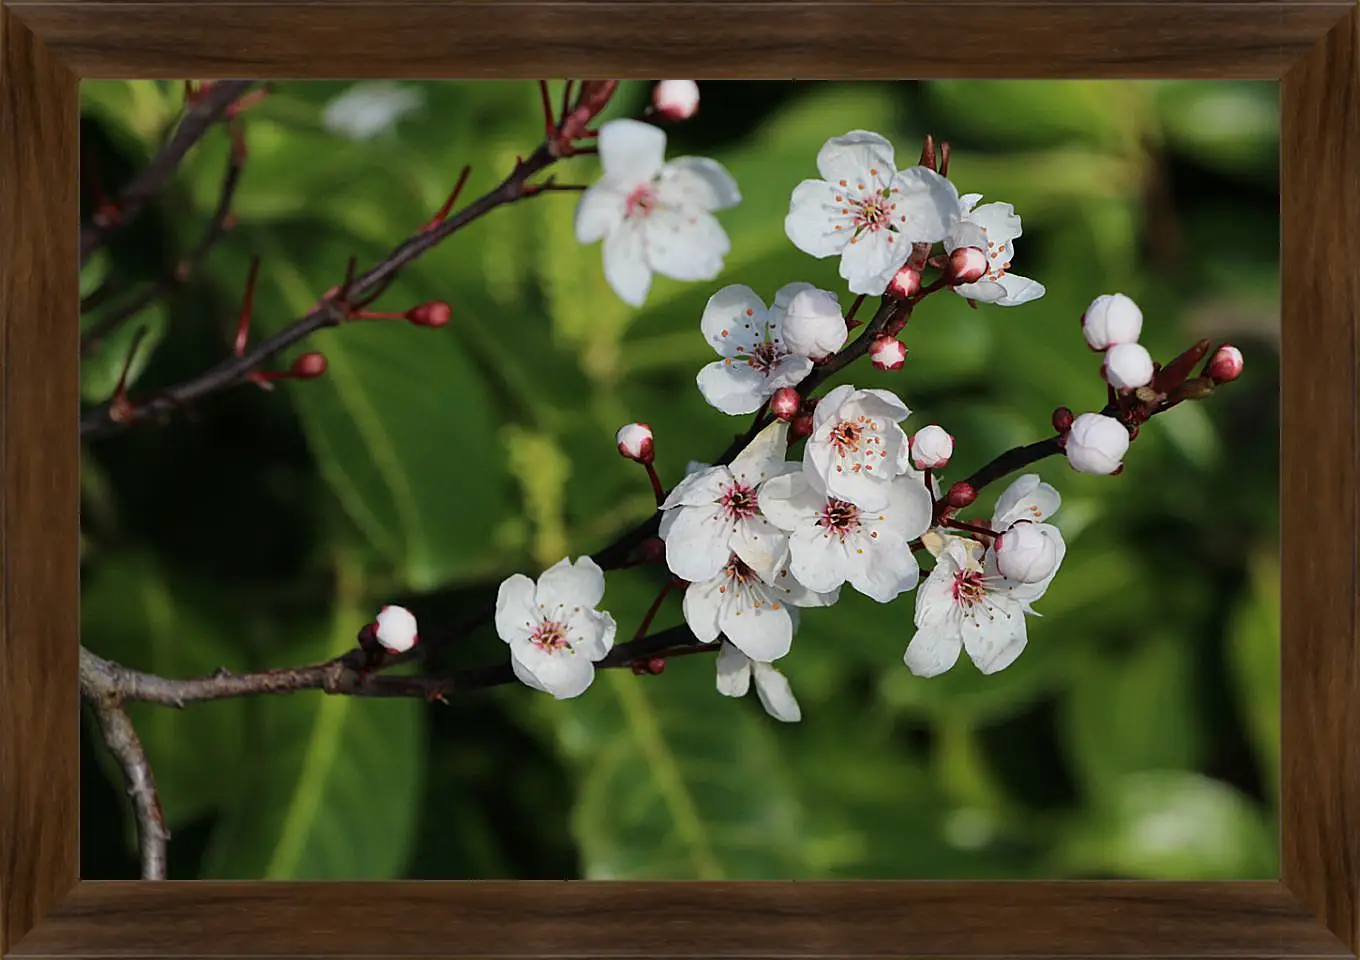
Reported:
(1127, 366)
(654, 216)
(992, 228)
(396, 629)
(735, 672)
(931, 447)
(1028, 550)
(715, 513)
(366, 110)
(1111, 319)
(756, 359)
(634, 441)
(553, 629)
(813, 324)
(867, 212)
(965, 604)
(1096, 444)
(832, 542)
(857, 447)
(755, 614)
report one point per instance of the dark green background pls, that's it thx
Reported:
(1138, 734)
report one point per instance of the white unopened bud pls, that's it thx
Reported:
(396, 629)
(967, 265)
(931, 447)
(1096, 444)
(1027, 552)
(1128, 366)
(635, 442)
(887, 353)
(1111, 319)
(676, 99)
(813, 325)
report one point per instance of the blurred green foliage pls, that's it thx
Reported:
(1136, 737)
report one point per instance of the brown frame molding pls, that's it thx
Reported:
(1313, 48)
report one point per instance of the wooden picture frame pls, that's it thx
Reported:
(1312, 48)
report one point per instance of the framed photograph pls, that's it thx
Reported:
(894, 511)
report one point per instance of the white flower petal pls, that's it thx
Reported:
(631, 152)
(1019, 290)
(703, 486)
(734, 671)
(697, 543)
(733, 387)
(591, 632)
(775, 694)
(560, 672)
(886, 572)
(761, 632)
(1026, 498)
(566, 584)
(734, 317)
(910, 509)
(998, 220)
(819, 561)
(516, 609)
(789, 502)
(702, 606)
(698, 183)
(929, 202)
(761, 546)
(994, 642)
(524, 674)
(763, 455)
(625, 264)
(685, 246)
(854, 155)
(813, 217)
(869, 262)
(983, 291)
(932, 652)
(599, 211)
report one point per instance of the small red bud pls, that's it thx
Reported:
(634, 441)
(656, 665)
(967, 265)
(436, 313)
(639, 668)
(801, 426)
(887, 353)
(1225, 365)
(785, 403)
(960, 495)
(1062, 419)
(308, 366)
(906, 283)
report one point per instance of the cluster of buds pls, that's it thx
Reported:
(1112, 324)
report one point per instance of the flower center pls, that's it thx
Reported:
(550, 636)
(740, 502)
(872, 212)
(765, 355)
(737, 572)
(641, 202)
(839, 518)
(857, 440)
(968, 587)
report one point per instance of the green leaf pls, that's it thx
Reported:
(134, 613)
(1133, 712)
(675, 781)
(404, 423)
(1172, 826)
(333, 789)
(100, 370)
(1254, 659)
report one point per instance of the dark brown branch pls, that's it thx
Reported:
(97, 422)
(125, 746)
(217, 228)
(198, 117)
(110, 682)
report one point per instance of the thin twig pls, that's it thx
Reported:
(197, 119)
(96, 421)
(217, 228)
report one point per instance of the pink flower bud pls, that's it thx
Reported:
(1127, 366)
(887, 353)
(905, 283)
(676, 99)
(653, 550)
(1096, 444)
(635, 442)
(801, 426)
(785, 403)
(1062, 419)
(436, 313)
(396, 629)
(1111, 319)
(931, 447)
(1225, 365)
(308, 366)
(967, 265)
(1026, 553)
(960, 495)
(813, 325)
